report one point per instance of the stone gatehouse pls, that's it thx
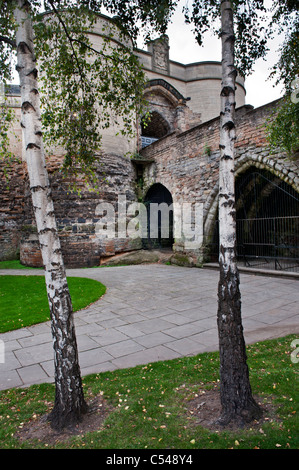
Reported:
(176, 161)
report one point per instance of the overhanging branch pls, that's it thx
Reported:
(9, 41)
(70, 40)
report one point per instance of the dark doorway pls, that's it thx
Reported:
(158, 202)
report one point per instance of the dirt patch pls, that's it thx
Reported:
(204, 408)
(40, 429)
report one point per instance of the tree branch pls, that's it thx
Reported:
(106, 56)
(9, 41)
(69, 38)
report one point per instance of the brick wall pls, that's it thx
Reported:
(187, 163)
(11, 209)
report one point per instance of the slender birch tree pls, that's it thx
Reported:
(75, 120)
(242, 37)
(235, 390)
(69, 399)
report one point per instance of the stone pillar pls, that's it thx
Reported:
(182, 123)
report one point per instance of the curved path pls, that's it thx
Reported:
(149, 313)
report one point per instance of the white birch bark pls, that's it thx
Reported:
(227, 235)
(69, 393)
(235, 391)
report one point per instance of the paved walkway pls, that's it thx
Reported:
(149, 313)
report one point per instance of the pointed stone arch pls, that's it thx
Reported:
(167, 110)
(164, 88)
(156, 127)
(286, 170)
(275, 178)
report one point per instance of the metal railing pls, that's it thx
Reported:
(269, 242)
(266, 243)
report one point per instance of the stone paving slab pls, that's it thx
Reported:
(149, 313)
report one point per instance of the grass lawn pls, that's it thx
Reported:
(154, 406)
(13, 264)
(24, 302)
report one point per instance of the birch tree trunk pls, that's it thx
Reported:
(235, 390)
(69, 400)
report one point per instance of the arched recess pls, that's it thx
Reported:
(155, 127)
(267, 216)
(158, 201)
(163, 101)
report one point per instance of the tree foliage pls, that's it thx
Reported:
(254, 24)
(7, 40)
(249, 28)
(283, 130)
(136, 15)
(84, 88)
(283, 126)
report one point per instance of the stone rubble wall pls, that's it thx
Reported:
(186, 163)
(75, 214)
(12, 181)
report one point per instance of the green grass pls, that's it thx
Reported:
(149, 405)
(24, 302)
(13, 264)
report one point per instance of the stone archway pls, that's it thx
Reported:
(158, 201)
(168, 111)
(286, 170)
(267, 215)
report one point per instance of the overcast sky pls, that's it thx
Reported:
(184, 49)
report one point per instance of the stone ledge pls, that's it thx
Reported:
(259, 272)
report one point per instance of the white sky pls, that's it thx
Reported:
(184, 49)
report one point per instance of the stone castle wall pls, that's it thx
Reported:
(12, 184)
(77, 214)
(184, 100)
(187, 163)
